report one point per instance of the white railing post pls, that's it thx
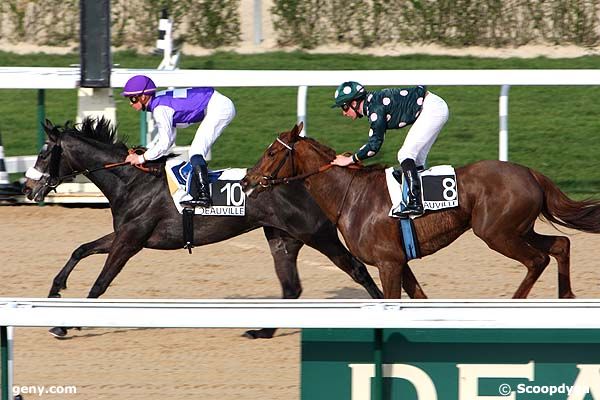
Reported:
(257, 22)
(10, 354)
(503, 135)
(302, 94)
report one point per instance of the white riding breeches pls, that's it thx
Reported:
(424, 130)
(219, 113)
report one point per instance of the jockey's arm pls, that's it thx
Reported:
(165, 136)
(376, 137)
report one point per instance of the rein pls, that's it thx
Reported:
(56, 179)
(277, 181)
(272, 179)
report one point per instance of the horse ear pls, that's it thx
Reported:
(50, 129)
(297, 129)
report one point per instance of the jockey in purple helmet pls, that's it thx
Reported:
(180, 108)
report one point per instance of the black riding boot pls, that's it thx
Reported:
(415, 202)
(204, 196)
(198, 187)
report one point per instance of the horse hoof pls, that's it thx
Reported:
(54, 296)
(58, 332)
(258, 334)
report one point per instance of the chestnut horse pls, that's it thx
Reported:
(499, 200)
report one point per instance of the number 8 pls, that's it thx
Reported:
(449, 185)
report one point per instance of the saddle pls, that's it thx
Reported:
(227, 196)
(438, 188)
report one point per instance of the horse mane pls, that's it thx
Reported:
(101, 131)
(94, 129)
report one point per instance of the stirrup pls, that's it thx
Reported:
(206, 203)
(410, 209)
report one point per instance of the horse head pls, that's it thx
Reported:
(49, 166)
(56, 162)
(290, 157)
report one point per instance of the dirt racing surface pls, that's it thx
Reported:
(212, 363)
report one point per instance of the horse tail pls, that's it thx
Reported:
(560, 209)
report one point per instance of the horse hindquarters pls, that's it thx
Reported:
(505, 221)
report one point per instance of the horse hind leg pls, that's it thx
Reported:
(284, 250)
(513, 246)
(558, 247)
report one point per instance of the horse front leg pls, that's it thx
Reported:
(124, 246)
(122, 250)
(391, 279)
(328, 242)
(99, 246)
(284, 250)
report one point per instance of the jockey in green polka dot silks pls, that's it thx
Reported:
(394, 109)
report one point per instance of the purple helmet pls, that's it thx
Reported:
(137, 85)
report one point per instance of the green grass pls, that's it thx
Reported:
(554, 129)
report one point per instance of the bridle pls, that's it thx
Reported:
(53, 174)
(271, 179)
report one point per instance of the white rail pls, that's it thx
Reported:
(526, 314)
(68, 78)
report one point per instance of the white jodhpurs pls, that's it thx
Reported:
(219, 113)
(424, 130)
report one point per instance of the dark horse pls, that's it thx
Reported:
(144, 215)
(500, 201)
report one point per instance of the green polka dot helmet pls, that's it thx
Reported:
(347, 92)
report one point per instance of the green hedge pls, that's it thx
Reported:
(308, 23)
(205, 23)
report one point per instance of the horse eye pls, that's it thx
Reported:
(271, 153)
(45, 151)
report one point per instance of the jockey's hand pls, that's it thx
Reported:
(135, 159)
(342, 160)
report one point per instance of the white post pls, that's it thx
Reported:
(503, 136)
(257, 22)
(96, 102)
(165, 41)
(10, 357)
(302, 92)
